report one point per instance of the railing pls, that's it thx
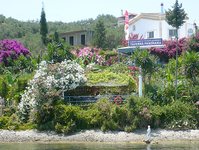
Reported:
(93, 98)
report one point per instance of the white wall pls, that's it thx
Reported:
(143, 26)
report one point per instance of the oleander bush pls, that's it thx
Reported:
(45, 88)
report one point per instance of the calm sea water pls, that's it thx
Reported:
(95, 146)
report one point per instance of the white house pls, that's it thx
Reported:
(154, 25)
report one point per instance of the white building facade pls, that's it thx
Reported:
(154, 25)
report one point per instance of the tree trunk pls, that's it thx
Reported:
(176, 86)
(150, 78)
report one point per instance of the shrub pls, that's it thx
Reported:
(130, 128)
(4, 87)
(46, 86)
(69, 118)
(10, 50)
(171, 114)
(194, 43)
(140, 107)
(113, 78)
(88, 55)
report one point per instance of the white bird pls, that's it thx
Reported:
(148, 132)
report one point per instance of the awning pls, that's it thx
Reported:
(132, 49)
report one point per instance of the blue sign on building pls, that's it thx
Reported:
(145, 42)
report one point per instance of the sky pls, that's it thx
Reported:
(77, 10)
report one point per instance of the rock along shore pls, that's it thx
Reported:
(98, 136)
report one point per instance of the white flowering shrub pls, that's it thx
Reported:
(47, 85)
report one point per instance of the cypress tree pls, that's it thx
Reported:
(43, 27)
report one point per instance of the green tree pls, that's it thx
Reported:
(114, 37)
(143, 59)
(191, 64)
(2, 19)
(43, 27)
(176, 18)
(99, 35)
(56, 35)
(58, 51)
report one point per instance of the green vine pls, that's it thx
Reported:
(112, 78)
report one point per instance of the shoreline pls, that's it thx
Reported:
(157, 135)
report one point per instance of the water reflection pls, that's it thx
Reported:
(98, 145)
(149, 147)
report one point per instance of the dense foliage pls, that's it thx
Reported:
(10, 50)
(15, 58)
(34, 100)
(99, 36)
(176, 17)
(112, 78)
(58, 51)
(48, 82)
(193, 43)
(146, 61)
(88, 55)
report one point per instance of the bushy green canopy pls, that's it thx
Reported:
(99, 36)
(176, 17)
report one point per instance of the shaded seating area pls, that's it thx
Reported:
(141, 44)
(86, 94)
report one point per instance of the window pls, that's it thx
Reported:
(83, 39)
(134, 28)
(190, 32)
(150, 35)
(172, 32)
(71, 40)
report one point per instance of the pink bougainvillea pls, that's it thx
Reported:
(88, 53)
(110, 61)
(170, 50)
(144, 112)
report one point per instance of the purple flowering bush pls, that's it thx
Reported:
(11, 50)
